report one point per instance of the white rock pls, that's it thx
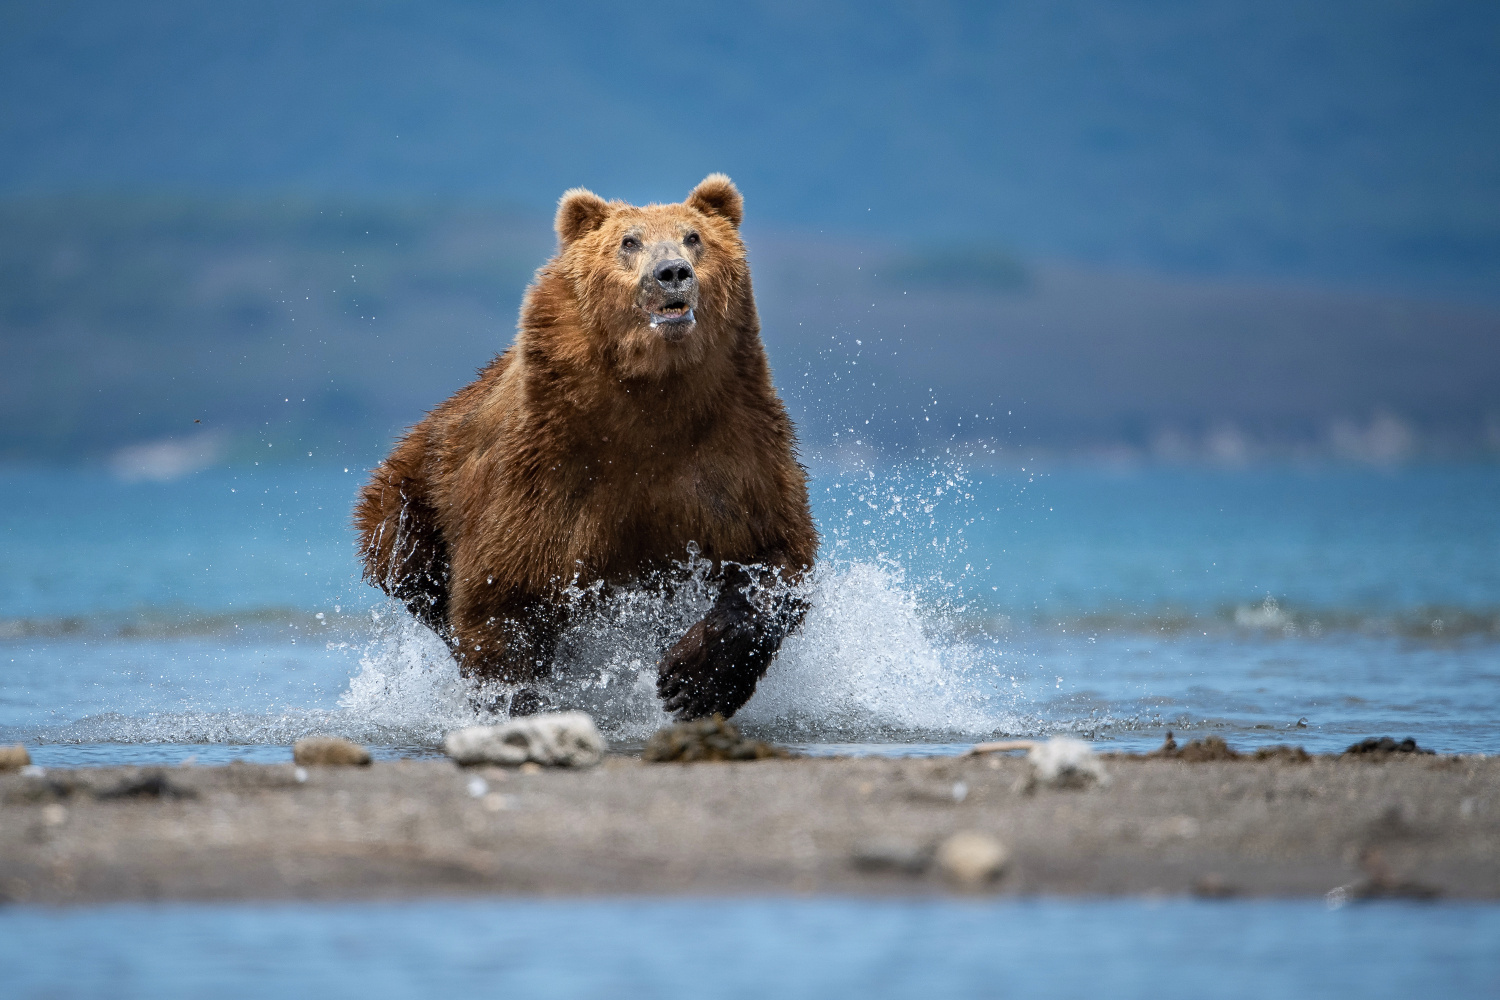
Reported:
(1063, 762)
(971, 858)
(566, 739)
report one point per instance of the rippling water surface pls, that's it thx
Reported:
(221, 616)
(754, 948)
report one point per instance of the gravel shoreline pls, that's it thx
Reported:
(1402, 825)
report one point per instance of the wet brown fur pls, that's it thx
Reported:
(596, 448)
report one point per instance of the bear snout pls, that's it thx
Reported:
(669, 293)
(675, 275)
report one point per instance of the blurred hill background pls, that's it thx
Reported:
(1220, 231)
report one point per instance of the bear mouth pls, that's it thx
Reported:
(676, 313)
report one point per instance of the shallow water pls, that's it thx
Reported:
(221, 616)
(754, 948)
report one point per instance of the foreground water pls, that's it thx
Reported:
(221, 616)
(754, 948)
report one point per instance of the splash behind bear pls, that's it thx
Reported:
(632, 420)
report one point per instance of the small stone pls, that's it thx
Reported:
(329, 751)
(555, 739)
(1384, 746)
(152, 783)
(705, 739)
(1212, 885)
(892, 856)
(13, 757)
(1062, 762)
(972, 859)
(1198, 751)
(1284, 753)
(54, 814)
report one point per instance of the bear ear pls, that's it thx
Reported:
(717, 195)
(579, 213)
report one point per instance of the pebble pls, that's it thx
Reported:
(705, 739)
(1212, 885)
(1212, 748)
(1197, 751)
(892, 856)
(14, 756)
(558, 739)
(333, 751)
(1384, 746)
(1063, 762)
(972, 859)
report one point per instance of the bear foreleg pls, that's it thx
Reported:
(402, 548)
(514, 643)
(714, 667)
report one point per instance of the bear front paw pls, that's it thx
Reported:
(713, 668)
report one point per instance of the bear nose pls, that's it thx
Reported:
(674, 275)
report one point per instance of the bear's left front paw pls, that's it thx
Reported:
(712, 669)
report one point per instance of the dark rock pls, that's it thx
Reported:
(706, 739)
(47, 787)
(1198, 751)
(1394, 823)
(1384, 746)
(1213, 886)
(1284, 753)
(893, 856)
(147, 785)
(1381, 883)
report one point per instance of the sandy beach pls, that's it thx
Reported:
(1405, 825)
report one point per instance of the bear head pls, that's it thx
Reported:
(658, 288)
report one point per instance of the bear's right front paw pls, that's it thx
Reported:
(712, 669)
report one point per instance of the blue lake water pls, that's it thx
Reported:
(221, 615)
(753, 948)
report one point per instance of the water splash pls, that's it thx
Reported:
(873, 662)
(870, 662)
(407, 683)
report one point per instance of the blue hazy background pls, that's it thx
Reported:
(1179, 231)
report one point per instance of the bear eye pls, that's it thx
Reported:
(630, 243)
(691, 239)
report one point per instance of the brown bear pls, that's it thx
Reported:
(632, 419)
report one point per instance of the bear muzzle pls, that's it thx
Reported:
(670, 295)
